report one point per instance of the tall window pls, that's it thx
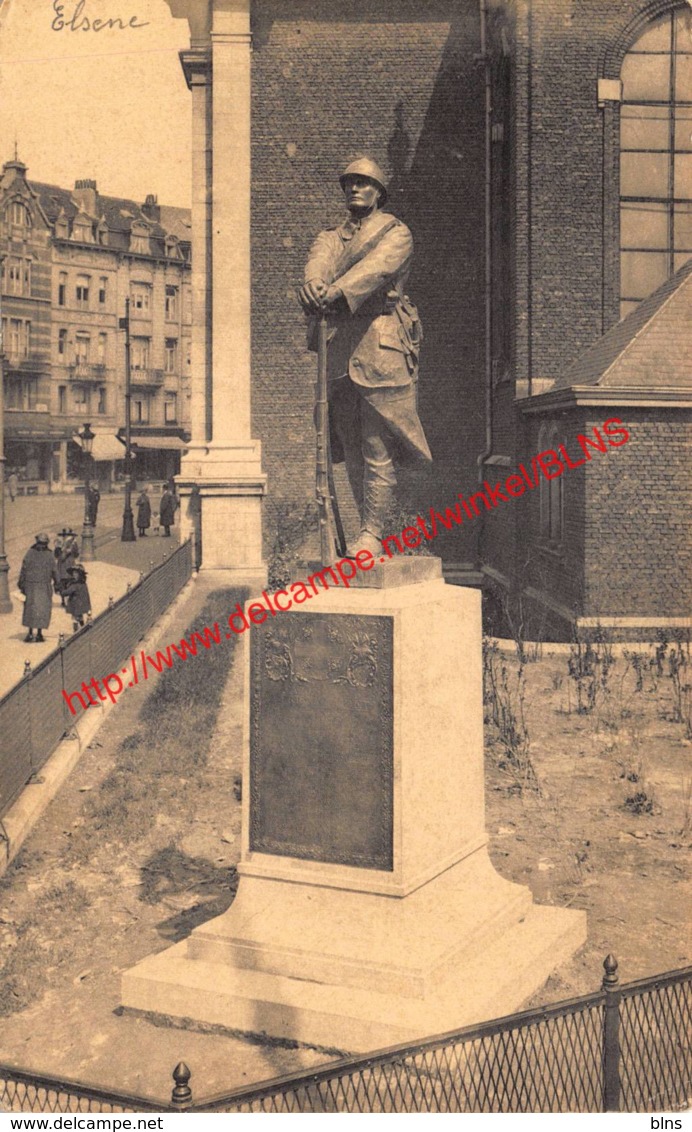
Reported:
(19, 214)
(62, 289)
(16, 275)
(62, 398)
(140, 353)
(101, 406)
(140, 296)
(62, 342)
(550, 493)
(101, 349)
(82, 292)
(170, 409)
(140, 410)
(171, 355)
(656, 157)
(171, 303)
(22, 394)
(18, 338)
(103, 289)
(82, 231)
(81, 399)
(81, 349)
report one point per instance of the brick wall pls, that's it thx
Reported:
(395, 79)
(557, 574)
(626, 549)
(638, 506)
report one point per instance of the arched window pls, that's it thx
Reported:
(655, 156)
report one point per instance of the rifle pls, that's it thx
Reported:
(332, 540)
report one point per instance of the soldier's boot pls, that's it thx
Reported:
(378, 496)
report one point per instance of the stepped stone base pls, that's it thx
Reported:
(368, 912)
(353, 972)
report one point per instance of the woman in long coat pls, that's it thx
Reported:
(167, 509)
(143, 513)
(38, 578)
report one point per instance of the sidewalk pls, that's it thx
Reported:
(117, 564)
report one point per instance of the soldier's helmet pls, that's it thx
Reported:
(365, 167)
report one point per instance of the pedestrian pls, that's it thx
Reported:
(78, 601)
(38, 578)
(143, 513)
(93, 498)
(167, 509)
(12, 484)
(66, 555)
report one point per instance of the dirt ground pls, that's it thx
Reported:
(605, 825)
(141, 844)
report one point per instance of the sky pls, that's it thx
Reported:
(111, 105)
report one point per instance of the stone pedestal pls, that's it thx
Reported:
(368, 912)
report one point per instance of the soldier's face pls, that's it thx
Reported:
(362, 195)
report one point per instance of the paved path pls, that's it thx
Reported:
(116, 565)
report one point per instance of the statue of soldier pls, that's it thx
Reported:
(356, 274)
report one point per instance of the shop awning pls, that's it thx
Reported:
(170, 443)
(106, 446)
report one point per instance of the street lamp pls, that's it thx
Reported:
(87, 438)
(5, 601)
(128, 529)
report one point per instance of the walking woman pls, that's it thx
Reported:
(38, 578)
(143, 513)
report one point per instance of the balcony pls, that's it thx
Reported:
(87, 371)
(26, 363)
(146, 377)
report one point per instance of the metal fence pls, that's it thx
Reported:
(34, 715)
(619, 1049)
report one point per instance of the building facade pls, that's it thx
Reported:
(70, 260)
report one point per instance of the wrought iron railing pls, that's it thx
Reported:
(34, 715)
(618, 1049)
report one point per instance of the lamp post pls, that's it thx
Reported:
(128, 531)
(5, 601)
(87, 438)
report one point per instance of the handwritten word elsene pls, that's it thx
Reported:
(79, 22)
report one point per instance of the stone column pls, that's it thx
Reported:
(223, 464)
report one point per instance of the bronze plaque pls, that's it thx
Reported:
(321, 780)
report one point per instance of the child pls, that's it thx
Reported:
(77, 598)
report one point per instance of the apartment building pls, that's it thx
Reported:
(70, 260)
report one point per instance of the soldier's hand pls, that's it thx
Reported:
(312, 295)
(334, 294)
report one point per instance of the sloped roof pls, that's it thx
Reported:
(119, 214)
(650, 349)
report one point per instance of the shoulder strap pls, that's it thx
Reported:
(354, 254)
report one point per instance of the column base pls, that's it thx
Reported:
(221, 490)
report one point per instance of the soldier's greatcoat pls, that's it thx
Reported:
(374, 338)
(37, 579)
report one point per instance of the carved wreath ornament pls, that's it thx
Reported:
(323, 653)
